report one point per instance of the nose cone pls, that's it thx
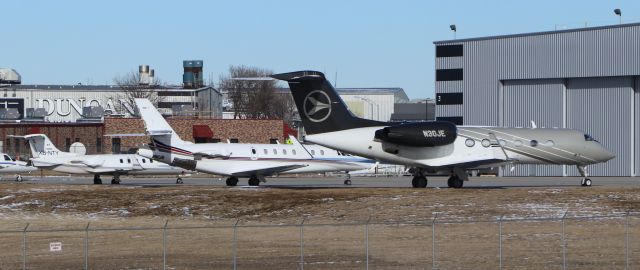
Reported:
(145, 153)
(605, 155)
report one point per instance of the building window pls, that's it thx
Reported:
(98, 145)
(454, 74)
(67, 144)
(8, 145)
(453, 119)
(215, 140)
(115, 145)
(273, 141)
(17, 146)
(449, 50)
(449, 98)
(234, 140)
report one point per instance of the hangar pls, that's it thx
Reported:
(587, 79)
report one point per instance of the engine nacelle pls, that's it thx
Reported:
(425, 134)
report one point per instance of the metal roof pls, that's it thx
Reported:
(537, 33)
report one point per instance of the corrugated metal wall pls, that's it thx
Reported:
(581, 53)
(537, 100)
(602, 107)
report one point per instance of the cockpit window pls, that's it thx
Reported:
(7, 158)
(588, 138)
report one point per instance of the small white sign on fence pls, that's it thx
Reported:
(55, 246)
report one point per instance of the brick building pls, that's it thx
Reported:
(99, 137)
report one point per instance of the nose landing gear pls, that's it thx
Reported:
(586, 182)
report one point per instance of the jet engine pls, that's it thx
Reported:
(425, 134)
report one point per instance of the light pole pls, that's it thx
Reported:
(454, 29)
(618, 12)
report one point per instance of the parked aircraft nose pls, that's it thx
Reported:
(605, 155)
(145, 153)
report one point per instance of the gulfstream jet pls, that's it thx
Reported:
(234, 160)
(45, 155)
(437, 146)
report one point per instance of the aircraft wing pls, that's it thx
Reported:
(268, 170)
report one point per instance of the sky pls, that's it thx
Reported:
(365, 43)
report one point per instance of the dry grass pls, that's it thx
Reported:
(591, 244)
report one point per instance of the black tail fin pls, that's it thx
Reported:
(320, 107)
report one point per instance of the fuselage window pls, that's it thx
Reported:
(293, 152)
(550, 143)
(469, 142)
(313, 152)
(121, 161)
(265, 151)
(150, 160)
(533, 143)
(517, 143)
(284, 151)
(486, 143)
(144, 160)
(275, 152)
(503, 142)
(253, 151)
(322, 152)
(128, 160)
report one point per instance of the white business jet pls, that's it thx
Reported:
(47, 156)
(9, 165)
(235, 160)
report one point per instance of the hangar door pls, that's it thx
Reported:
(533, 100)
(603, 107)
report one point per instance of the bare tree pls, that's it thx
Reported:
(255, 99)
(130, 84)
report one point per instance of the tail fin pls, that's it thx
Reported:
(320, 107)
(41, 146)
(155, 125)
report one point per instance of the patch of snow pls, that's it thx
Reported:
(7, 197)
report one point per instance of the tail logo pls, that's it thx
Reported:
(317, 106)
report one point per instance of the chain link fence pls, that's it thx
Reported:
(593, 242)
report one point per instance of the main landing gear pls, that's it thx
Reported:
(419, 180)
(585, 182)
(254, 181)
(347, 182)
(115, 180)
(179, 181)
(97, 180)
(19, 178)
(457, 178)
(232, 181)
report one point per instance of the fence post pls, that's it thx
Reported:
(626, 241)
(500, 239)
(235, 245)
(302, 242)
(433, 241)
(24, 247)
(366, 241)
(164, 245)
(564, 244)
(86, 246)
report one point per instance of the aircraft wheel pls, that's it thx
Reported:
(232, 181)
(179, 181)
(586, 182)
(455, 182)
(19, 178)
(253, 181)
(97, 180)
(347, 182)
(115, 181)
(419, 182)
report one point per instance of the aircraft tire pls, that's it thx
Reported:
(586, 182)
(347, 182)
(232, 181)
(253, 181)
(97, 180)
(419, 182)
(179, 181)
(455, 182)
(19, 178)
(414, 182)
